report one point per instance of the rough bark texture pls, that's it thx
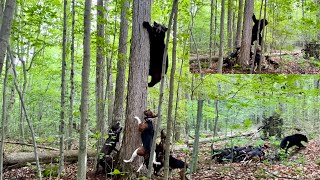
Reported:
(137, 84)
(71, 97)
(220, 62)
(239, 24)
(246, 34)
(118, 109)
(63, 88)
(100, 65)
(83, 141)
(5, 30)
(171, 91)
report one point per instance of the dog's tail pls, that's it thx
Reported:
(138, 119)
(283, 143)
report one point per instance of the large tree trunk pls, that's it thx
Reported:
(3, 116)
(118, 109)
(71, 97)
(246, 34)
(220, 62)
(5, 30)
(137, 84)
(171, 91)
(100, 67)
(63, 88)
(83, 141)
(239, 24)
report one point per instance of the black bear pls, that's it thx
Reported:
(157, 46)
(293, 140)
(255, 29)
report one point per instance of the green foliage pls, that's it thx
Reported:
(50, 170)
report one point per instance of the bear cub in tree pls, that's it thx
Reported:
(157, 46)
(293, 140)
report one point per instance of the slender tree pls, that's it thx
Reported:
(211, 28)
(100, 68)
(71, 97)
(25, 114)
(121, 64)
(239, 24)
(3, 116)
(5, 30)
(171, 92)
(83, 141)
(195, 151)
(246, 34)
(229, 25)
(63, 88)
(220, 63)
(174, 5)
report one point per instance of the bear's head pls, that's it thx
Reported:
(159, 30)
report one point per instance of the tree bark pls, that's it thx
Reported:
(100, 68)
(83, 141)
(118, 109)
(5, 30)
(239, 24)
(137, 83)
(246, 34)
(1, 10)
(220, 62)
(63, 88)
(171, 91)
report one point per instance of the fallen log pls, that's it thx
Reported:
(20, 159)
(26, 144)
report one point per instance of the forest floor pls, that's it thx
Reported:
(289, 63)
(302, 164)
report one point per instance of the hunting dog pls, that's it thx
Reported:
(147, 131)
(105, 159)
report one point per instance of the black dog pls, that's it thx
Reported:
(256, 27)
(293, 140)
(157, 46)
(104, 159)
(174, 163)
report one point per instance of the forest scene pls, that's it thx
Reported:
(284, 41)
(102, 89)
